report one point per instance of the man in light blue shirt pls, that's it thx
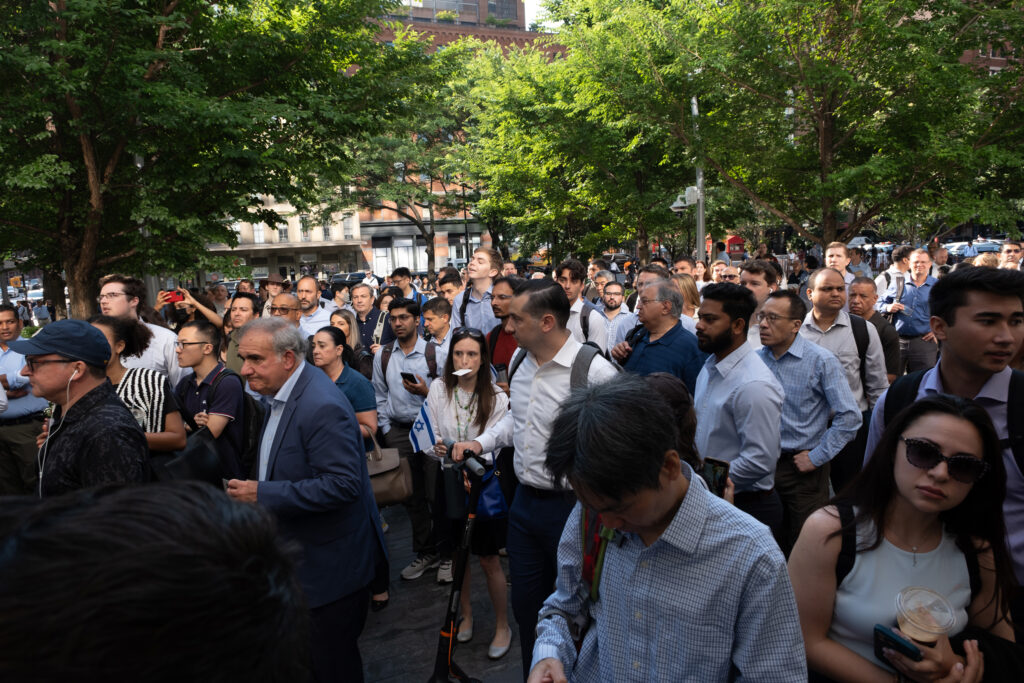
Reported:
(307, 291)
(23, 419)
(738, 402)
(472, 306)
(816, 390)
(918, 348)
(398, 406)
(733, 617)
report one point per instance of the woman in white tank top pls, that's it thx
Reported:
(934, 487)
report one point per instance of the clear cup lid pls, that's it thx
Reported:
(925, 609)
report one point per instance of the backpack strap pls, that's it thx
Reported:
(860, 336)
(585, 318)
(378, 330)
(580, 368)
(431, 354)
(595, 536)
(1014, 418)
(463, 306)
(901, 394)
(517, 360)
(385, 358)
(492, 339)
(848, 551)
(635, 334)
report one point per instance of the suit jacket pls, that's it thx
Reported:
(318, 487)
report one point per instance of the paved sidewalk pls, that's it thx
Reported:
(399, 644)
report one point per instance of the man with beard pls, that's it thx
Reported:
(244, 307)
(502, 342)
(829, 326)
(738, 402)
(601, 279)
(374, 324)
(612, 303)
(313, 317)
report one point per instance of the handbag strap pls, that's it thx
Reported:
(376, 453)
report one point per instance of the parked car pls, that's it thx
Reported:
(353, 278)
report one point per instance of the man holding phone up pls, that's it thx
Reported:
(816, 388)
(399, 398)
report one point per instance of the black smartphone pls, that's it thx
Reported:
(409, 377)
(715, 473)
(885, 637)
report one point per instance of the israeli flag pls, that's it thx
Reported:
(421, 436)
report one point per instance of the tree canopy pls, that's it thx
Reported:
(136, 132)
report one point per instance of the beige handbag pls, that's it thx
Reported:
(390, 475)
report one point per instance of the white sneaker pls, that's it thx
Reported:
(422, 563)
(444, 572)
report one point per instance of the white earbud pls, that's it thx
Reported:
(73, 375)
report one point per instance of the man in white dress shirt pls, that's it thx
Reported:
(586, 323)
(122, 295)
(540, 379)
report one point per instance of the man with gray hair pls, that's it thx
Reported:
(311, 473)
(661, 345)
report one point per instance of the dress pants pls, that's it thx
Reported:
(334, 638)
(849, 461)
(535, 524)
(801, 494)
(418, 507)
(19, 473)
(917, 354)
(765, 507)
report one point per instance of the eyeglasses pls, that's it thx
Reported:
(33, 364)
(467, 332)
(926, 455)
(182, 345)
(645, 302)
(730, 277)
(772, 318)
(501, 297)
(282, 310)
(110, 295)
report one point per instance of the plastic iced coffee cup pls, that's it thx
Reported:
(923, 614)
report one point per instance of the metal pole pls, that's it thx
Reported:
(701, 247)
(465, 221)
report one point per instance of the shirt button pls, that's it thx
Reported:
(638, 616)
(636, 665)
(643, 565)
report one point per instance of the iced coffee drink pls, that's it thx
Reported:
(923, 614)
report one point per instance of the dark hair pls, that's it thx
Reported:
(255, 300)
(67, 613)
(978, 516)
(493, 255)
(577, 273)
(450, 270)
(10, 308)
(438, 306)
(797, 307)
(339, 287)
(134, 334)
(813, 278)
(207, 331)
(617, 284)
(545, 296)
(484, 390)
(901, 252)
(409, 305)
(811, 262)
(348, 356)
(862, 280)
(678, 397)
(450, 279)
(601, 264)
(761, 267)
(660, 271)
(513, 281)
(1013, 242)
(685, 259)
(659, 261)
(950, 292)
(393, 292)
(737, 301)
(401, 271)
(136, 288)
(611, 438)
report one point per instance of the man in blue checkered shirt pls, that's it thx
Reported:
(691, 589)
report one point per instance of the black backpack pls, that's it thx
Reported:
(253, 413)
(860, 336)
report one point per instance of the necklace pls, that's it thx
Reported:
(902, 545)
(464, 413)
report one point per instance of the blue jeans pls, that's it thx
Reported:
(535, 525)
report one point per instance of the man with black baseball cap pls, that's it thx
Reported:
(93, 438)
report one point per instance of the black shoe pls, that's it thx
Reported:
(379, 605)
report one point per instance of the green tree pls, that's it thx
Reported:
(136, 132)
(829, 116)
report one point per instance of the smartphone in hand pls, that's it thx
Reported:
(410, 378)
(887, 638)
(715, 472)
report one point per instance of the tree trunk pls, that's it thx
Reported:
(53, 290)
(82, 286)
(643, 245)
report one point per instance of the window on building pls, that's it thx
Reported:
(327, 230)
(282, 233)
(258, 233)
(304, 227)
(347, 226)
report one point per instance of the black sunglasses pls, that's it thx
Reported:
(467, 332)
(926, 455)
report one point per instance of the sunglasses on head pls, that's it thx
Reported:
(467, 332)
(926, 455)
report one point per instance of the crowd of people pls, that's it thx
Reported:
(729, 473)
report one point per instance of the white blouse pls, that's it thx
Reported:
(452, 421)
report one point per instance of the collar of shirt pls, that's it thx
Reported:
(797, 349)
(729, 363)
(566, 354)
(211, 376)
(685, 529)
(421, 347)
(485, 297)
(995, 390)
(666, 338)
(285, 392)
(87, 402)
(576, 307)
(842, 320)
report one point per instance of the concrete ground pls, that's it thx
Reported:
(399, 644)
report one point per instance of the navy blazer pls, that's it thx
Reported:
(318, 487)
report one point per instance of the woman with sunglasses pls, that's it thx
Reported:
(926, 511)
(461, 407)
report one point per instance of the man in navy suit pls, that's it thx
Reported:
(312, 476)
